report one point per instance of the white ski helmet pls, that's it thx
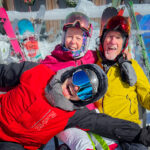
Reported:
(80, 20)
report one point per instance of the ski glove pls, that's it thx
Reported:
(127, 71)
(144, 136)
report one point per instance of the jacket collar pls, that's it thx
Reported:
(64, 56)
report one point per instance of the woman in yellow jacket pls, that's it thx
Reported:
(128, 86)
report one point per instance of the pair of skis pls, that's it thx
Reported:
(139, 37)
(7, 26)
(4, 20)
(109, 12)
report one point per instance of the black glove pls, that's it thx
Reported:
(127, 71)
(144, 137)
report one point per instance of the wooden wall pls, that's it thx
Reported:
(99, 2)
(8, 4)
(53, 25)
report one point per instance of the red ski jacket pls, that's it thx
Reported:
(27, 118)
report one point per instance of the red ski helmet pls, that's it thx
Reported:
(120, 24)
(78, 19)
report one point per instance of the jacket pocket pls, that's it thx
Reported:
(132, 105)
(37, 115)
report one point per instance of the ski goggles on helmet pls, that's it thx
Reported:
(78, 20)
(119, 23)
(81, 79)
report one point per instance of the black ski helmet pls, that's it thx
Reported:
(116, 23)
(98, 80)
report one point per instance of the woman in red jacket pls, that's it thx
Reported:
(30, 114)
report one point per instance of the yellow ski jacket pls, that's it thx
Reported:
(121, 100)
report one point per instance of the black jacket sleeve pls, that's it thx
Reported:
(10, 74)
(105, 125)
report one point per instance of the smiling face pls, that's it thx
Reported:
(70, 90)
(74, 38)
(112, 45)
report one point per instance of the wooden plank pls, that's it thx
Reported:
(99, 2)
(53, 24)
(10, 4)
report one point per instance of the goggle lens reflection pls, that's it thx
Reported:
(82, 80)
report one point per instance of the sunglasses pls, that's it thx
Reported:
(81, 79)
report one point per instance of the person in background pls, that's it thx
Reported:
(42, 104)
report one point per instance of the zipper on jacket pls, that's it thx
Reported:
(77, 63)
(127, 97)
